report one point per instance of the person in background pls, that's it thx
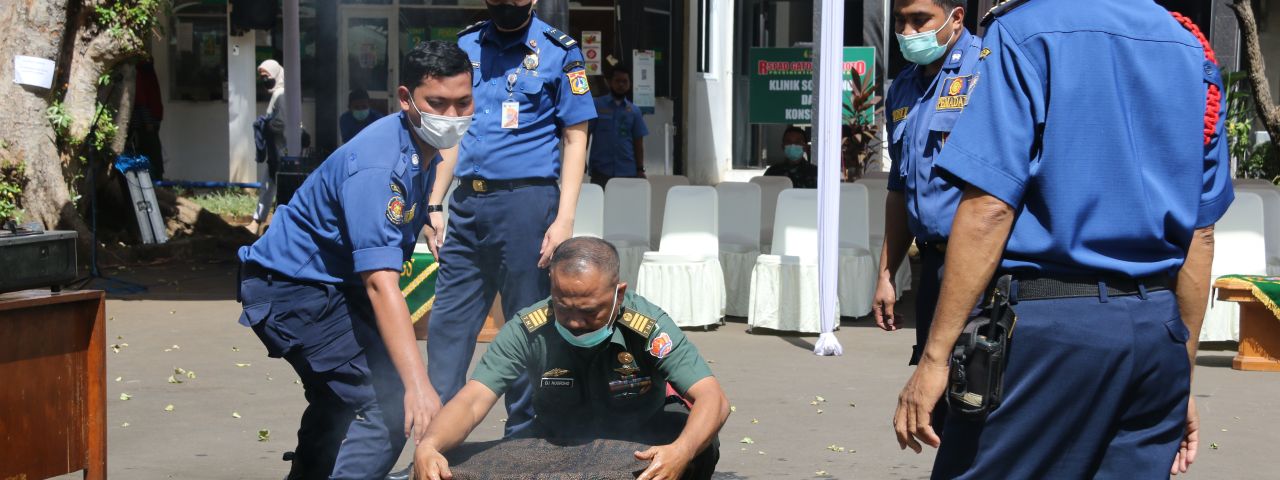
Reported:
(271, 128)
(357, 116)
(148, 112)
(617, 146)
(796, 165)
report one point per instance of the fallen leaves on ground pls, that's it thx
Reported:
(747, 440)
(125, 424)
(242, 365)
(125, 396)
(235, 414)
(173, 379)
(264, 435)
(168, 408)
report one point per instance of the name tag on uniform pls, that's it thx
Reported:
(510, 114)
(557, 382)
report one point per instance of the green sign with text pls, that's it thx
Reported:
(782, 81)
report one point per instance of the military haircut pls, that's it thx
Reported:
(433, 59)
(619, 68)
(950, 5)
(794, 129)
(584, 254)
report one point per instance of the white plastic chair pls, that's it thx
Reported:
(1271, 225)
(784, 283)
(1238, 248)
(589, 221)
(857, 269)
(739, 241)
(770, 187)
(684, 276)
(659, 185)
(877, 190)
(626, 223)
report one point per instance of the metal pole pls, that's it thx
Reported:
(828, 67)
(292, 79)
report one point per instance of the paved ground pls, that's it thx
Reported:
(188, 320)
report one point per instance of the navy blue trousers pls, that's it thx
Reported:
(353, 426)
(491, 246)
(931, 263)
(1095, 387)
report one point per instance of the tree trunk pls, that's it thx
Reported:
(66, 32)
(1267, 110)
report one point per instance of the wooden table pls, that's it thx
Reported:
(1259, 330)
(53, 402)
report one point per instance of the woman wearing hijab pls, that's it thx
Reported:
(271, 75)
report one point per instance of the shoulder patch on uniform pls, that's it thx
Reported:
(578, 82)
(536, 319)
(569, 67)
(561, 38)
(473, 27)
(395, 206)
(661, 346)
(1000, 9)
(638, 322)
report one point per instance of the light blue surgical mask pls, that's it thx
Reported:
(593, 338)
(360, 114)
(923, 48)
(793, 152)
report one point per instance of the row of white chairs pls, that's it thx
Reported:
(708, 262)
(1246, 242)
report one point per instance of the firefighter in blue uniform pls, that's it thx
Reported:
(1094, 165)
(923, 104)
(321, 288)
(508, 213)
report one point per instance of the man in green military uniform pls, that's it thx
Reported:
(598, 371)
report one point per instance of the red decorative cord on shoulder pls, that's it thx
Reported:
(1213, 100)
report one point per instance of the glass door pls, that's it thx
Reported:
(368, 59)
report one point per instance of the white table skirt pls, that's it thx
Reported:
(856, 283)
(784, 295)
(629, 258)
(690, 290)
(1221, 321)
(737, 280)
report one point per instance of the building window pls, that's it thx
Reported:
(198, 52)
(705, 37)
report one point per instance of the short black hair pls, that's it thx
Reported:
(357, 94)
(435, 59)
(950, 5)
(795, 129)
(619, 68)
(583, 254)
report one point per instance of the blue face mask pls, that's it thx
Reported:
(360, 114)
(793, 152)
(591, 339)
(923, 48)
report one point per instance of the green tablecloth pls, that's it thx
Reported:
(418, 282)
(1265, 288)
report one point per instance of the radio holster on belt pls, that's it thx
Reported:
(978, 360)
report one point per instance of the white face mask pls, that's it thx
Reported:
(440, 131)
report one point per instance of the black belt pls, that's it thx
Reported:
(1069, 287)
(481, 185)
(939, 246)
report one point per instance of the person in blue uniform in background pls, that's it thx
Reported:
(1099, 200)
(923, 104)
(358, 115)
(321, 288)
(508, 213)
(617, 135)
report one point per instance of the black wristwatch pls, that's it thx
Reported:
(435, 208)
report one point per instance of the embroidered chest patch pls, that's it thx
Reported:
(955, 93)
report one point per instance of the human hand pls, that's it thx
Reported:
(882, 304)
(421, 404)
(558, 232)
(666, 462)
(435, 237)
(1190, 441)
(915, 405)
(430, 464)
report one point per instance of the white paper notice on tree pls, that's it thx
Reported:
(33, 71)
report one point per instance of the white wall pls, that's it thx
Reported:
(708, 152)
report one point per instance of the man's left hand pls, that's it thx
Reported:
(915, 405)
(558, 232)
(1190, 441)
(666, 462)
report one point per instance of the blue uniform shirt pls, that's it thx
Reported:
(1089, 122)
(921, 113)
(360, 211)
(550, 92)
(613, 134)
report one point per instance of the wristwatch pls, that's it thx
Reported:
(435, 208)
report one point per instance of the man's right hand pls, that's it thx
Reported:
(421, 404)
(430, 464)
(882, 305)
(435, 234)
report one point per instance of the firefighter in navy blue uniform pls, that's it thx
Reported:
(923, 104)
(321, 288)
(508, 213)
(1094, 207)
